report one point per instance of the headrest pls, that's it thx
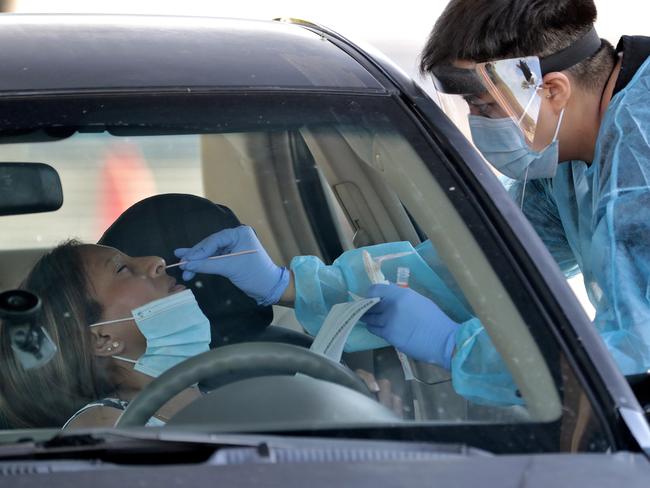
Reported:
(157, 225)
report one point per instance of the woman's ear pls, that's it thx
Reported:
(557, 90)
(105, 344)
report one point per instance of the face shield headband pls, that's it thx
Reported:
(510, 87)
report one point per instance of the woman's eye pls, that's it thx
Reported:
(122, 268)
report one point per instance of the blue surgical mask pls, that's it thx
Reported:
(502, 143)
(175, 329)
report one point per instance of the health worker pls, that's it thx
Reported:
(565, 117)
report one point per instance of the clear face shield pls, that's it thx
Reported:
(508, 88)
(498, 105)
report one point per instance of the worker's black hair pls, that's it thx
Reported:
(484, 30)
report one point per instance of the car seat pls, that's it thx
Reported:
(157, 225)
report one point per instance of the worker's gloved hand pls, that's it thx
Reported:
(255, 274)
(412, 323)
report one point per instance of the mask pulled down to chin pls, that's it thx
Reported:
(175, 329)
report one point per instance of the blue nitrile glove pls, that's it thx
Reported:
(255, 274)
(412, 323)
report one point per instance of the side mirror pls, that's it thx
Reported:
(32, 346)
(29, 188)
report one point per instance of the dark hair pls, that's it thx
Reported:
(484, 30)
(50, 395)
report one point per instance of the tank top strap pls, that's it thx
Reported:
(104, 402)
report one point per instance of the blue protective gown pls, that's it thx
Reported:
(478, 373)
(593, 218)
(596, 219)
(319, 287)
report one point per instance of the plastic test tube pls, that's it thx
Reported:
(403, 275)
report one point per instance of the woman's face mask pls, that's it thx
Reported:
(175, 329)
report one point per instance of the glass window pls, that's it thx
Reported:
(102, 176)
(315, 175)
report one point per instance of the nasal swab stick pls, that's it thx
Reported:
(251, 251)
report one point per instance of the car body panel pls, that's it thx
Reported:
(56, 53)
(245, 466)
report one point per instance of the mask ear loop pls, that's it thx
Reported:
(557, 131)
(559, 124)
(106, 322)
(523, 114)
(127, 360)
(523, 191)
(530, 101)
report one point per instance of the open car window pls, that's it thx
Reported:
(321, 176)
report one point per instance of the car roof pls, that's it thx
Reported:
(125, 52)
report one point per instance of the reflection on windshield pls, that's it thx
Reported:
(324, 207)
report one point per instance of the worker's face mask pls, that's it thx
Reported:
(502, 143)
(175, 329)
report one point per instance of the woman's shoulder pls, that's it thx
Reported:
(102, 413)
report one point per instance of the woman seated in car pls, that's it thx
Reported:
(118, 322)
(92, 298)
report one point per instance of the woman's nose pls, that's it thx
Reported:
(153, 266)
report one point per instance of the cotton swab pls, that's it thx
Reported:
(250, 251)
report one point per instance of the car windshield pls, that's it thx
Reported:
(342, 190)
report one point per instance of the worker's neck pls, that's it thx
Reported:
(583, 118)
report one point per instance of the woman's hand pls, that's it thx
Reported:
(382, 389)
(255, 274)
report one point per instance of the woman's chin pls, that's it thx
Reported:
(177, 288)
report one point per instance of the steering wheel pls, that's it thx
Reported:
(232, 363)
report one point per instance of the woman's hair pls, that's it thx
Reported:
(50, 395)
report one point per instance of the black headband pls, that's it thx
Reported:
(450, 79)
(584, 47)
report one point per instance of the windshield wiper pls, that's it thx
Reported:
(161, 446)
(111, 445)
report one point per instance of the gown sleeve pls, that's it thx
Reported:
(478, 373)
(541, 210)
(319, 287)
(620, 247)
